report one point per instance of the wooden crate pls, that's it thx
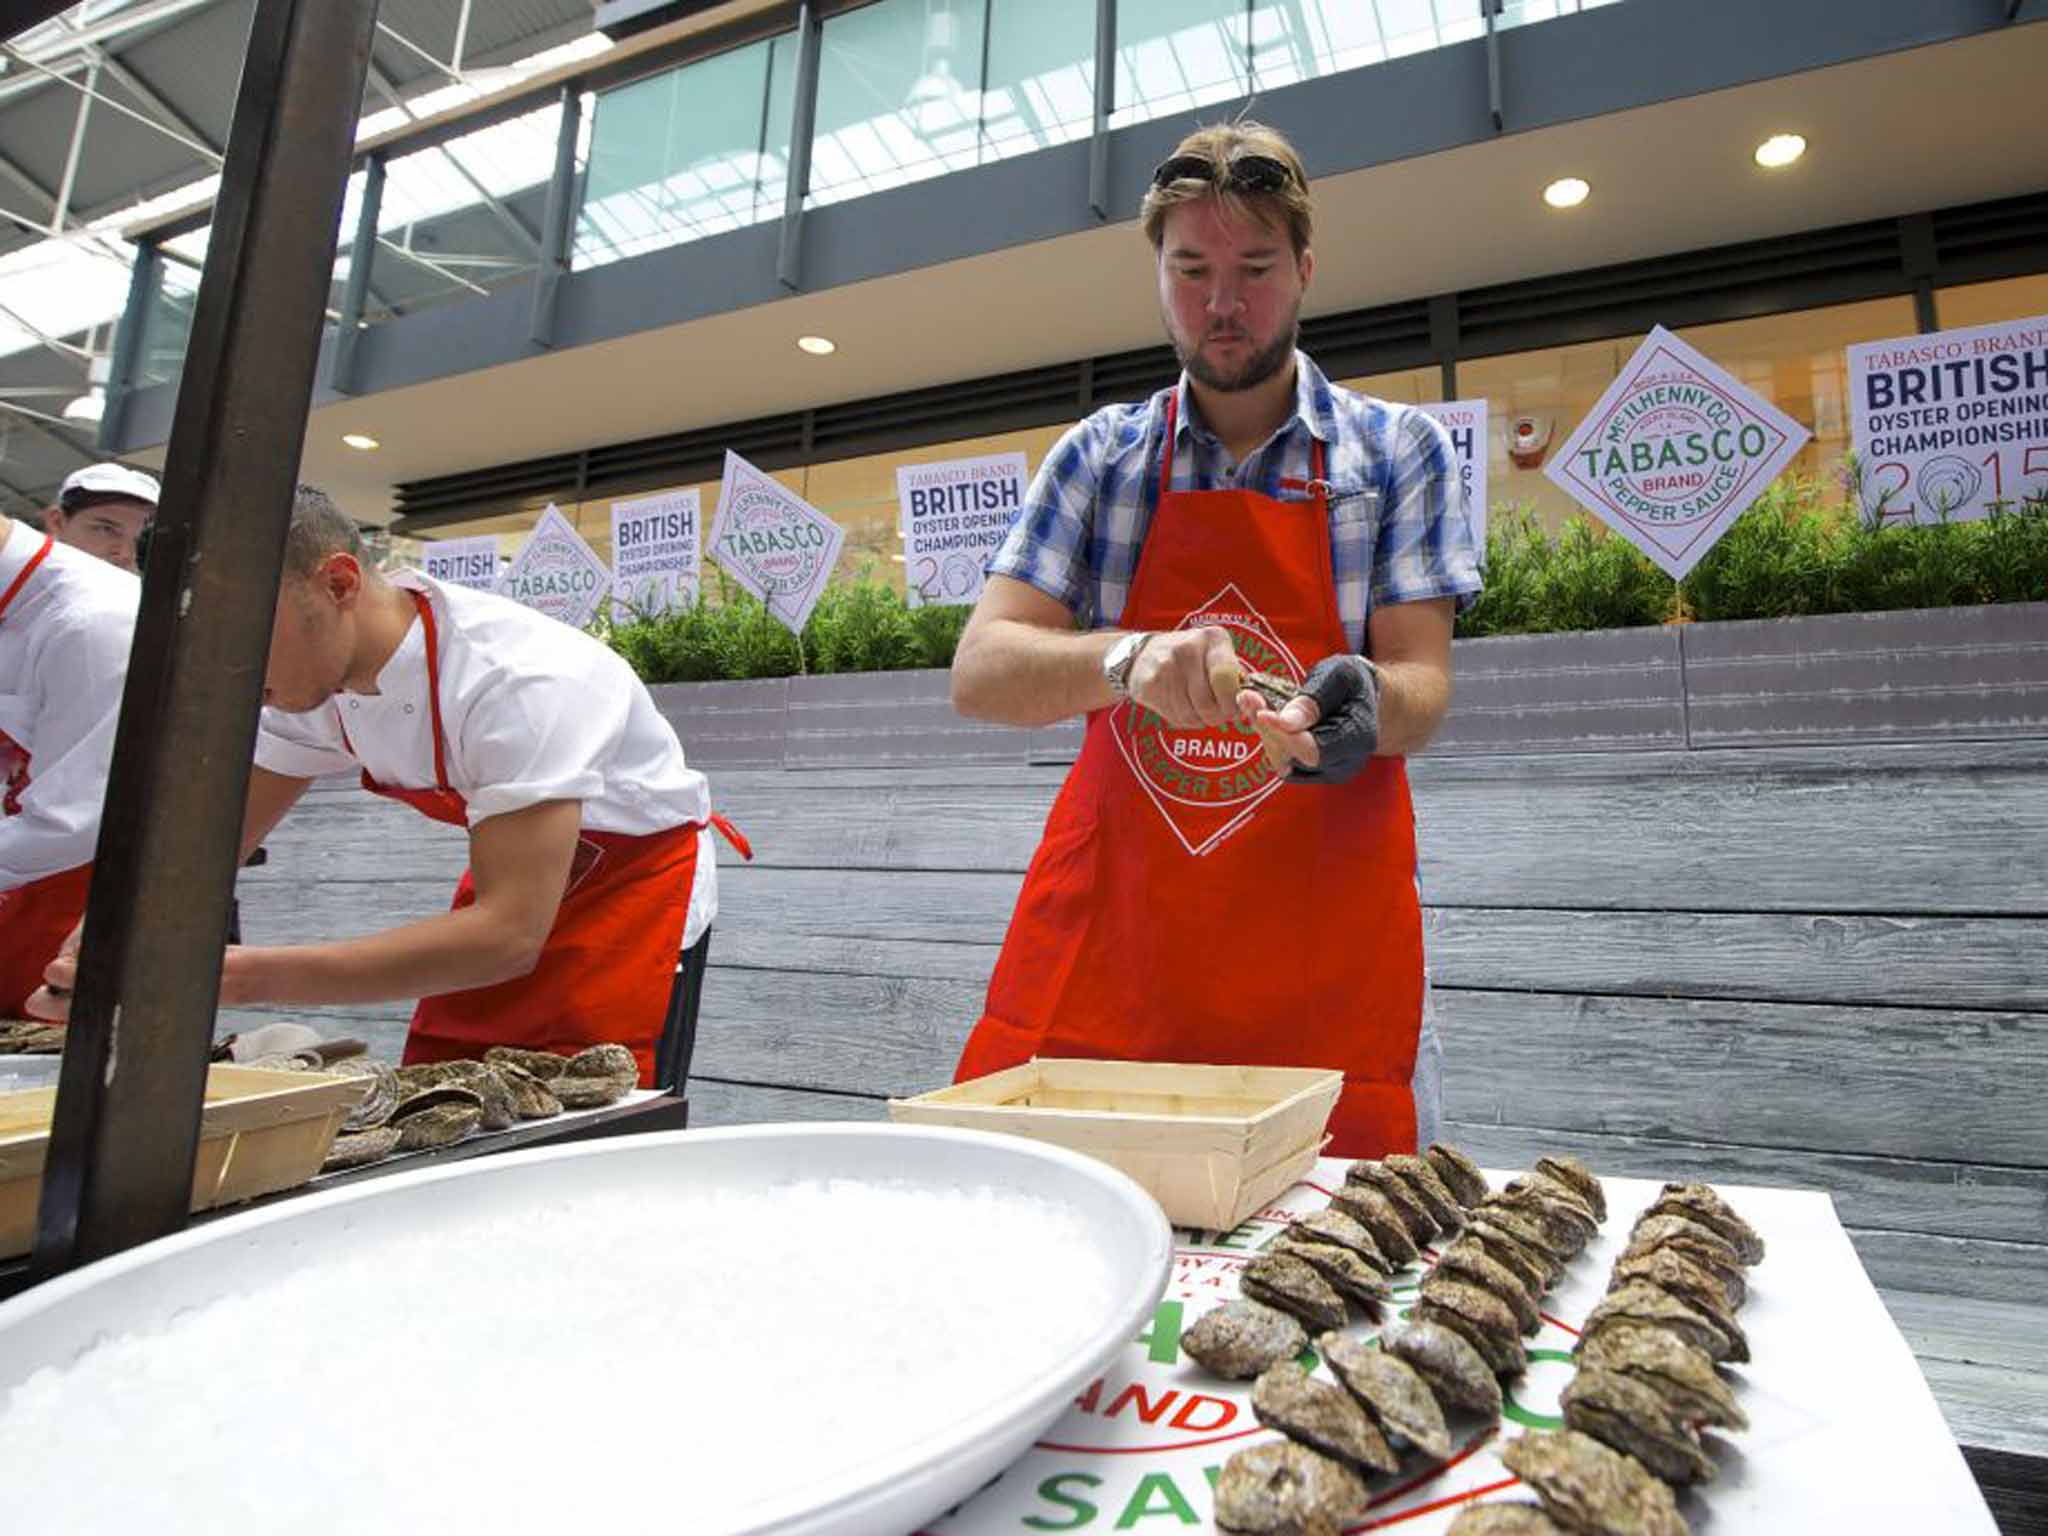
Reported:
(261, 1131)
(1211, 1144)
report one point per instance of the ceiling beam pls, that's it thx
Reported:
(44, 425)
(14, 53)
(138, 87)
(505, 216)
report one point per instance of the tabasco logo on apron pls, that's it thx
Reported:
(1207, 783)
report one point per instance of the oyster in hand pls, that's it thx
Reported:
(1589, 1488)
(1322, 1416)
(1284, 1489)
(1242, 1338)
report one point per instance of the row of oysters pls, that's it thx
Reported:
(1501, 1250)
(433, 1104)
(1647, 1381)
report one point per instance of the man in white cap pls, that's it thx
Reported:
(67, 620)
(102, 509)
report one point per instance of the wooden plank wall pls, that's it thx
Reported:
(1698, 903)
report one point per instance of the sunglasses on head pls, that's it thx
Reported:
(1247, 173)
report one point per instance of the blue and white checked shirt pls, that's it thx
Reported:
(1398, 531)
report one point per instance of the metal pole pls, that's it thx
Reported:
(126, 1129)
(560, 215)
(145, 281)
(1492, 10)
(62, 213)
(1105, 103)
(362, 255)
(810, 44)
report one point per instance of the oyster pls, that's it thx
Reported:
(1575, 1175)
(531, 1099)
(26, 1037)
(1476, 1304)
(1275, 690)
(434, 1117)
(1391, 1390)
(492, 1090)
(1629, 1416)
(1566, 1223)
(1322, 1416)
(415, 1076)
(1399, 1193)
(1536, 1270)
(1350, 1275)
(1283, 1281)
(1703, 1245)
(1680, 1374)
(1376, 1213)
(1530, 1229)
(1332, 1226)
(1422, 1179)
(542, 1064)
(1447, 1361)
(1637, 1301)
(375, 1107)
(1467, 1259)
(1589, 1488)
(601, 1075)
(1694, 1284)
(1241, 1338)
(1284, 1489)
(359, 1148)
(1503, 1353)
(1703, 1204)
(1504, 1520)
(1460, 1174)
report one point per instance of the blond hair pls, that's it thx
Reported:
(1220, 145)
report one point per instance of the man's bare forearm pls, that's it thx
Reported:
(1414, 697)
(1024, 674)
(449, 952)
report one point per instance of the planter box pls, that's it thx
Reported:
(1938, 674)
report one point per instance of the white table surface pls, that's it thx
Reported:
(1844, 1434)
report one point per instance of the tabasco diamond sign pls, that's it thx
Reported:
(1674, 452)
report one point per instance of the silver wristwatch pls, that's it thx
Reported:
(1121, 657)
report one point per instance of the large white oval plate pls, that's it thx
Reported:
(140, 1290)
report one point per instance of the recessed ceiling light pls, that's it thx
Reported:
(361, 440)
(1780, 150)
(818, 346)
(1566, 192)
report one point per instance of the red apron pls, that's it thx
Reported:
(35, 919)
(1187, 904)
(610, 960)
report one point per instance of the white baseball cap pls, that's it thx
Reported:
(108, 480)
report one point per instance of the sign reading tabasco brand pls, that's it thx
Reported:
(1674, 452)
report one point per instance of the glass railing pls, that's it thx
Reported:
(907, 89)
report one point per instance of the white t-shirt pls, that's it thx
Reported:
(531, 710)
(63, 661)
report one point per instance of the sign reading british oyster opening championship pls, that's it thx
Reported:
(776, 545)
(954, 516)
(556, 573)
(1951, 424)
(1674, 452)
(1465, 420)
(463, 562)
(654, 553)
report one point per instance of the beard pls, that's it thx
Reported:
(1249, 374)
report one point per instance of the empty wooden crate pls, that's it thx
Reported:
(1212, 1144)
(261, 1132)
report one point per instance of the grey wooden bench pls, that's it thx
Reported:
(1752, 903)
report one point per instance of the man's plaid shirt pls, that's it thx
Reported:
(1398, 531)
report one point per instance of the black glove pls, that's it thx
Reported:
(1347, 690)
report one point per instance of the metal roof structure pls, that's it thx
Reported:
(114, 110)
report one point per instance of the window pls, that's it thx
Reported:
(899, 96)
(2017, 298)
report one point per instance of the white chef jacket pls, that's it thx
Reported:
(531, 710)
(63, 661)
